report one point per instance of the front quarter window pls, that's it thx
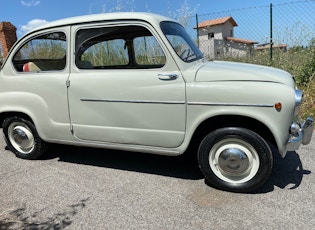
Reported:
(181, 42)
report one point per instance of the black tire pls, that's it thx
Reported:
(235, 159)
(22, 138)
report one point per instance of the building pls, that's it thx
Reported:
(266, 47)
(7, 38)
(216, 39)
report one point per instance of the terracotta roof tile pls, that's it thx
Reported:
(240, 40)
(267, 46)
(217, 21)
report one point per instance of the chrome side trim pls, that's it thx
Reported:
(231, 104)
(134, 101)
(176, 102)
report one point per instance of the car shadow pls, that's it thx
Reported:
(286, 171)
(183, 167)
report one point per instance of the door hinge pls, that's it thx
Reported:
(68, 83)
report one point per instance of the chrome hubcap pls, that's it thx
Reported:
(21, 137)
(234, 160)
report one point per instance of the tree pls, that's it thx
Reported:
(312, 43)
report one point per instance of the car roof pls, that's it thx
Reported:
(149, 17)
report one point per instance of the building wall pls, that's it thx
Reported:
(210, 46)
(217, 47)
(236, 49)
(7, 37)
(227, 30)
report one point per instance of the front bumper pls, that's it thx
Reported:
(302, 135)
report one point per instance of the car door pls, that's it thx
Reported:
(124, 88)
(35, 80)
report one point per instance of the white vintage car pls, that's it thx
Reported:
(137, 82)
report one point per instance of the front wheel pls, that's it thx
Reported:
(22, 139)
(235, 159)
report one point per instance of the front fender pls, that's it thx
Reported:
(254, 100)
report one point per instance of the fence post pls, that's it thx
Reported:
(271, 41)
(197, 29)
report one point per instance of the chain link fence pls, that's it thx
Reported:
(278, 35)
(242, 33)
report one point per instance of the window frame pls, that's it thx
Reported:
(19, 69)
(149, 30)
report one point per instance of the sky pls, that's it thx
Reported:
(27, 14)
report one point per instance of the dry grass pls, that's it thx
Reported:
(308, 106)
(300, 62)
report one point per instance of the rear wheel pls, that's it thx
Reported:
(235, 159)
(22, 138)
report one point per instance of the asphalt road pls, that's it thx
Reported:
(82, 188)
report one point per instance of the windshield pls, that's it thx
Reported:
(181, 42)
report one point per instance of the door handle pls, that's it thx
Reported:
(167, 76)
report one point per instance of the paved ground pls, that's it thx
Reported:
(80, 188)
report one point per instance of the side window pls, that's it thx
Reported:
(42, 53)
(104, 54)
(119, 47)
(181, 46)
(148, 52)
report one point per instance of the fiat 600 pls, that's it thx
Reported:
(137, 82)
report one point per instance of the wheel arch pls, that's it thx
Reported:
(21, 136)
(222, 121)
(5, 115)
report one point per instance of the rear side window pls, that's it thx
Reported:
(42, 53)
(119, 47)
